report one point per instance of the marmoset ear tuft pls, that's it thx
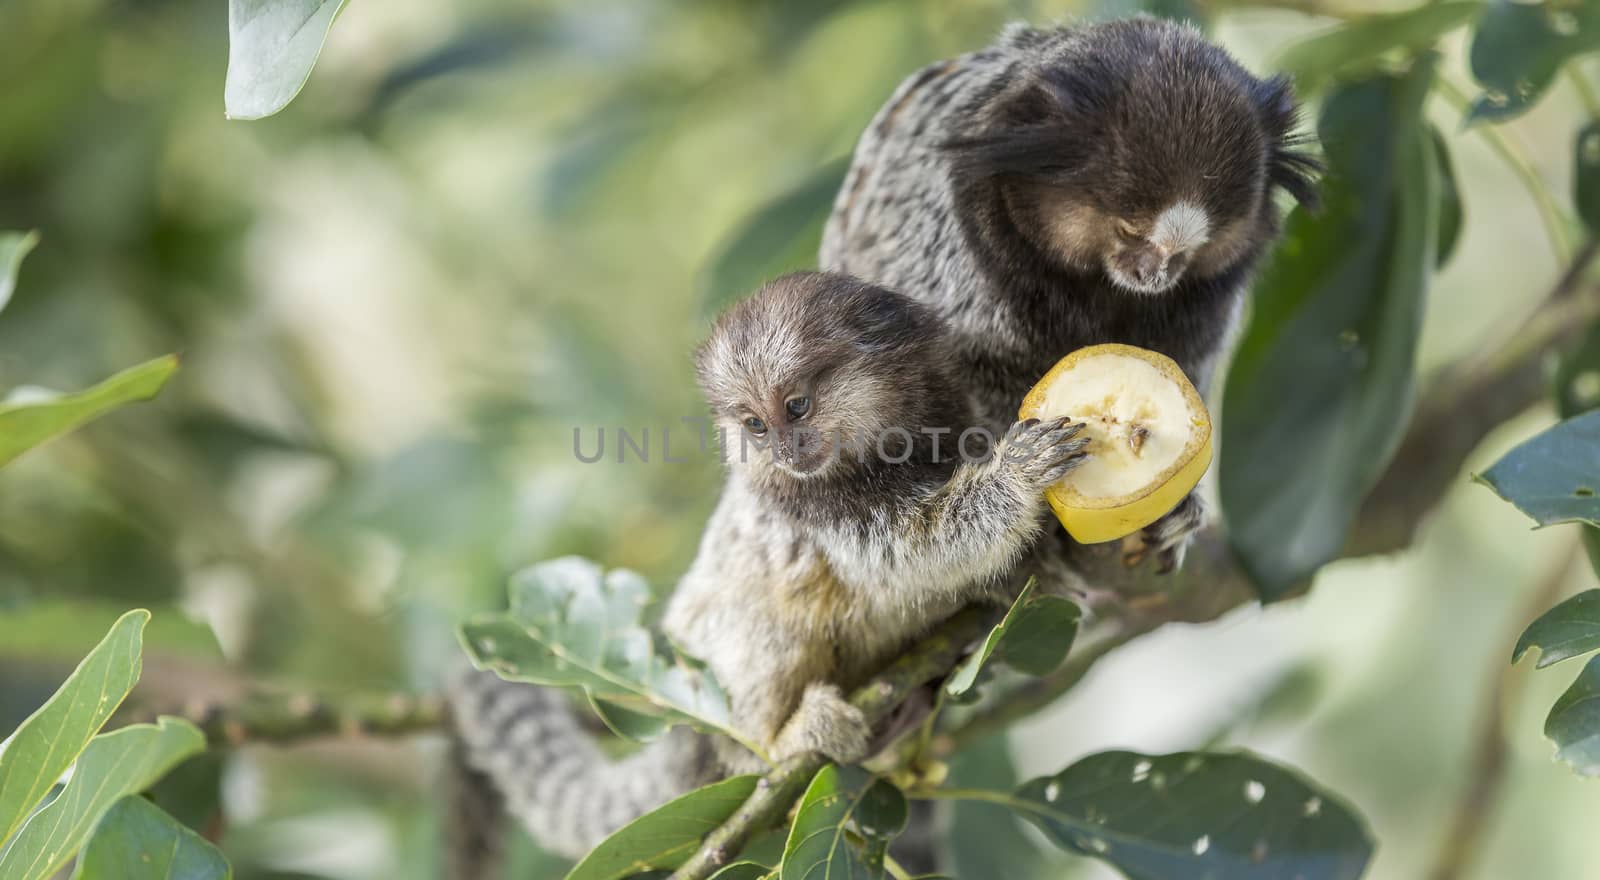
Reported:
(1289, 164)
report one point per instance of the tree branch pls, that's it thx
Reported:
(931, 658)
(292, 717)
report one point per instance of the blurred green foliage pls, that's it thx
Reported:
(485, 224)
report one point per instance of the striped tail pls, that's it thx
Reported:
(528, 743)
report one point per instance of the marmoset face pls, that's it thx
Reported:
(1141, 151)
(812, 370)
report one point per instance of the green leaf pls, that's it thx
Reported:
(47, 743)
(626, 723)
(841, 800)
(272, 46)
(13, 247)
(115, 764)
(1218, 816)
(1520, 47)
(1554, 477)
(192, 791)
(1322, 384)
(743, 871)
(1585, 176)
(1358, 47)
(664, 838)
(26, 420)
(1571, 629)
(1576, 386)
(982, 841)
(1034, 637)
(137, 841)
(779, 237)
(1574, 722)
(1449, 201)
(571, 624)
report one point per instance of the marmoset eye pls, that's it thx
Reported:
(798, 407)
(755, 426)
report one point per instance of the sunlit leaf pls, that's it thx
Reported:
(1570, 629)
(47, 743)
(1520, 47)
(665, 837)
(1554, 477)
(1586, 175)
(1188, 815)
(26, 420)
(781, 236)
(1356, 47)
(115, 764)
(13, 247)
(1574, 722)
(137, 841)
(272, 46)
(1320, 390)
(842, 801)
(571, 624)
(1033, 637)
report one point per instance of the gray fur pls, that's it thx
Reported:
(811, 574)
(551, 775)
(1015, 190)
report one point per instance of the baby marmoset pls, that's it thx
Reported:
(862, 522)
(1067, 187)
(850, 523)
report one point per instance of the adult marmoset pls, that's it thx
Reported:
(1066, 187)
(851, 522)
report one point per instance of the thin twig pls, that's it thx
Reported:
(1487, 776)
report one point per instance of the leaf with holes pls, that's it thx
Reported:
(47, 743)
(1554, 477)
(1520, 47)
(1362, 44)
(572, 624)
(115, 764)
(13, 247)
(665, 837)
(1321, 387)
(1574, 722)
(1568, 630)
(779, 237)
(137, 841)
(29, 417)
(272, 46)
(842, 801)
(1034, 637)
(1218, 816)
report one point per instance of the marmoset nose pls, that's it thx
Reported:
(1147, 267)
